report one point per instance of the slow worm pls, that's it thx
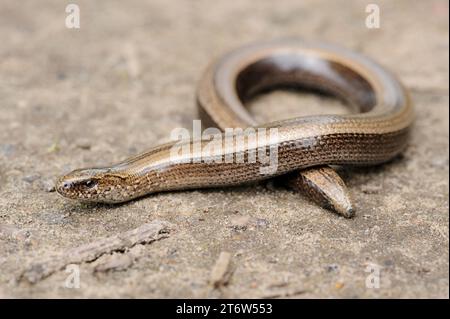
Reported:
(376, 132)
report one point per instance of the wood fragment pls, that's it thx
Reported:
(221, 272)
(144, 234)
(114, 262)
(284, 294)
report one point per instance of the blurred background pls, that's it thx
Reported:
(118, 84)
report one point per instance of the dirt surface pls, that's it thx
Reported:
(81, 97)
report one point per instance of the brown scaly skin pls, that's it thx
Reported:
(325, 187)
(306, 145)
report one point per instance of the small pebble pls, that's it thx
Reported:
(240, 222)
(48, 185)
(261, 222)
(371, 189)
(332, 267)
(339, 285)
(83, 144)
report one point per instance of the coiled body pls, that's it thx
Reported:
(377, 133)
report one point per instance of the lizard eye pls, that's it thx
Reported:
(90, 183)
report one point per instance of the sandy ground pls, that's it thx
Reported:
(118, 85)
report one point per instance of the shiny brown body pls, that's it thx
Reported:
(305, 145)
